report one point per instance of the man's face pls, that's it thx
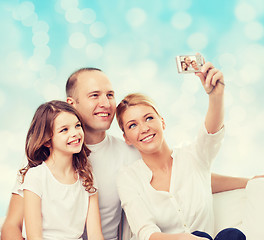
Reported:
(94, 99)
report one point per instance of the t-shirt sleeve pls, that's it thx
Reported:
(207, 145)
(140, 219)
(32, 181)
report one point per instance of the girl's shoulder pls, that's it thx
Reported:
(36, 171)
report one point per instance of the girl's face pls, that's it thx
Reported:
(143, 128)
(68, 135)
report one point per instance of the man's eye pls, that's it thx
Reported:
(133, 125)
(110, 95)
(149, 118)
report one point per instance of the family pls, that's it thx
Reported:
(78, 177)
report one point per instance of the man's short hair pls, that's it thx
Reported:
(71, 82)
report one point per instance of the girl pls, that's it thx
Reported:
(58, 187)
(167, 193)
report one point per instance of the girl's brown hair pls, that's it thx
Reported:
(132, 100)
(40, 134)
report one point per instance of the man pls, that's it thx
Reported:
(90, 92)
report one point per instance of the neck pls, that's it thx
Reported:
(161, 159)
(59, 161)
(94, 137)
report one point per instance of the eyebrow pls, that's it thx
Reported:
(98, 91)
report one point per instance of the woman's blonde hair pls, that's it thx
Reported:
(132, 100)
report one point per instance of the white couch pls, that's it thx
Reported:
(242, 209)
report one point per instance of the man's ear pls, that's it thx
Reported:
(70, 100)
(126, 140)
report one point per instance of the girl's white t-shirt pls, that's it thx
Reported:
(63, 206)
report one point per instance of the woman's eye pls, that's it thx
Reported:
(149, 118)
(132, 126)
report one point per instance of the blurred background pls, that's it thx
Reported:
(135, 43)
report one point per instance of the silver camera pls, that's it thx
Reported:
(189, 63)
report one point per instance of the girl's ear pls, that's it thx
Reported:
(126, 140)
(47, 144)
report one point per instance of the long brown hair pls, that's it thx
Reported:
(41, 132)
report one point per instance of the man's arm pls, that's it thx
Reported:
(221, 183)
(12, 227)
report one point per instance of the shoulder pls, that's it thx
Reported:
(130, 172)
(35, 172)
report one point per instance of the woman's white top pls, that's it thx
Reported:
(187, 206)
(63, 206)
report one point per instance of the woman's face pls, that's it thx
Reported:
(143, 128)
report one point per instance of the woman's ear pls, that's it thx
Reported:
(126, 140)
(163, 123)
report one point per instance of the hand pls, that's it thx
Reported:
(258, 176)
(212, 79)
(188, 236)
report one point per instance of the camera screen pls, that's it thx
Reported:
(189, 63)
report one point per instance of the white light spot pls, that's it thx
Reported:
(77, 40)
(88, 16)
(197, 41)
(23, 11)
(2, 98)
(69, 4)
(227, 60)
(94, 51)
(147, 69)
(179, 4)
(237, 114)
(51, 91)
(245, 12)
(247, 95)
(42, 52)
(73, 15)
(40, 26)
(31, 20)
(250, 73)
(47, 72)
(98, 29)
(136, 17)
(254, 30)
(40, 38)
(181, 20)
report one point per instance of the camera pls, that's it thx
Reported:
(189, 63)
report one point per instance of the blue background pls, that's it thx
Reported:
(135, 43)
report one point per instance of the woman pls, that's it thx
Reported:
(167, 193)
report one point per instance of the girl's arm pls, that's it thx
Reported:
(33, 220)
(213, 82)
(93, 222)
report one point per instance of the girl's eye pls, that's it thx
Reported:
(64, 130)
(133, 125)
(78, 125)
(149, 118)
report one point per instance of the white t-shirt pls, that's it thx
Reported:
(107, 158)
(63, 206)
(188, 204)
